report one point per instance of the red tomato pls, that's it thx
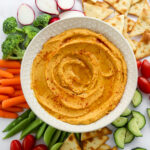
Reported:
(144, 85)
(28, 142)
(145, 68)
(15, 145)
(139, 63)
(54, 19)
(40, 147)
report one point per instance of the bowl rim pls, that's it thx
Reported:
(44, 115)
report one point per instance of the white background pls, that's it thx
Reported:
(9, 8)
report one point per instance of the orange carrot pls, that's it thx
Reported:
(17, 93)
(7, 114)
(13, 71)
(9, 64)
(17, 87)
(13, 101)
(6, 90)
(23, 105)
(3, 97)
(12, 109)
(14, 81)
(6, 74)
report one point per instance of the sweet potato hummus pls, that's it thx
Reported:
(79, 76)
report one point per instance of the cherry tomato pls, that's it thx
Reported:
(144, 85)
(145, 68)
(40, 147)
(28, 142)
(15, 145)
(139, 63)
(54, 19)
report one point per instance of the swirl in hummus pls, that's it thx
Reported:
(79, 76)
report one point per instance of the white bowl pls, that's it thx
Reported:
(56, 28)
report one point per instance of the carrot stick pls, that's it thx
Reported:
(7, 90)
(23, 105)
(13, 71)
(13, 101)
(12, 109)
(9, 64)
(3, 97)
(14, 81)
(17, 87)
(17, 93)
(6, 74)
(7, 114)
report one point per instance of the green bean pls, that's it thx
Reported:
(41, 130)
(62, 137)
(56, 146)
(20, 126)
(31, 127)
(18, 120)
(55, 138)
(48, 134)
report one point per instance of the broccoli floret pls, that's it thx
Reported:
(30, 32)
(42, 21)
(10, 26)
(11, 47)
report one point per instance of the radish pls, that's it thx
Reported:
(54, 19)
(47, 6)
(65, 4)
(25, 14)
(71, 13)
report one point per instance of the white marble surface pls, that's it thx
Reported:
(9, 8)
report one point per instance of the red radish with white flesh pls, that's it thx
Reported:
(65, 4)
(71, 13)
(47, 6)
(54, 19)
(25, 14)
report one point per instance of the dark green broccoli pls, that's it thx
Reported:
(42, 21)
(10, 26)
(11, 47)
(30, 32)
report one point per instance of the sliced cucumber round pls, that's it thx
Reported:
(139, 148)
(148, 111)
(137, 98)
(129, 137)
(120, 122)
(127, 112)
(133, 127)
(140, 119)
(119, 137)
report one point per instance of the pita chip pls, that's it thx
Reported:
(143, 47)
(114, 148)
(122, 6)
(142, 23)
(96, 11)
(117, 22)
(105, 131)
(130, 24)
(70, 143)
(104, 147)
(135, 1)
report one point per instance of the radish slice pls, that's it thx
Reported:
(47, 6)
(54, 19)
(65, 4)
(71, 13)
(25, 14)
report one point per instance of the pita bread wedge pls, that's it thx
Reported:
(94, 143)
(106, 131)
(104, 147)
(143, 47)
(70, 143)
(142, 23)
(114, 148)
(130, 24)
(96, 11)
(135, 1)
(117, 22)
(122, 6)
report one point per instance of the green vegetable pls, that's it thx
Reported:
(30, 32)
(63, 136)
(17, 121)
(41, 130)
(120, 122)
(139, 148)
(56, 146)
(20, 126)
(137, 98)
(11, 47)
(42, 21)
(127, 112)
(31, 127)
(77, 136)
(129, 137)
(10, 26)
(148, 112)
(48, 135)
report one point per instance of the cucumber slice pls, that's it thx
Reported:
(140, 119)
(139, 148)
(129, 137)
(133, 127)
(119, 137)
(127, 112)
(137, 98)
(148, 111)
(120, 122)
